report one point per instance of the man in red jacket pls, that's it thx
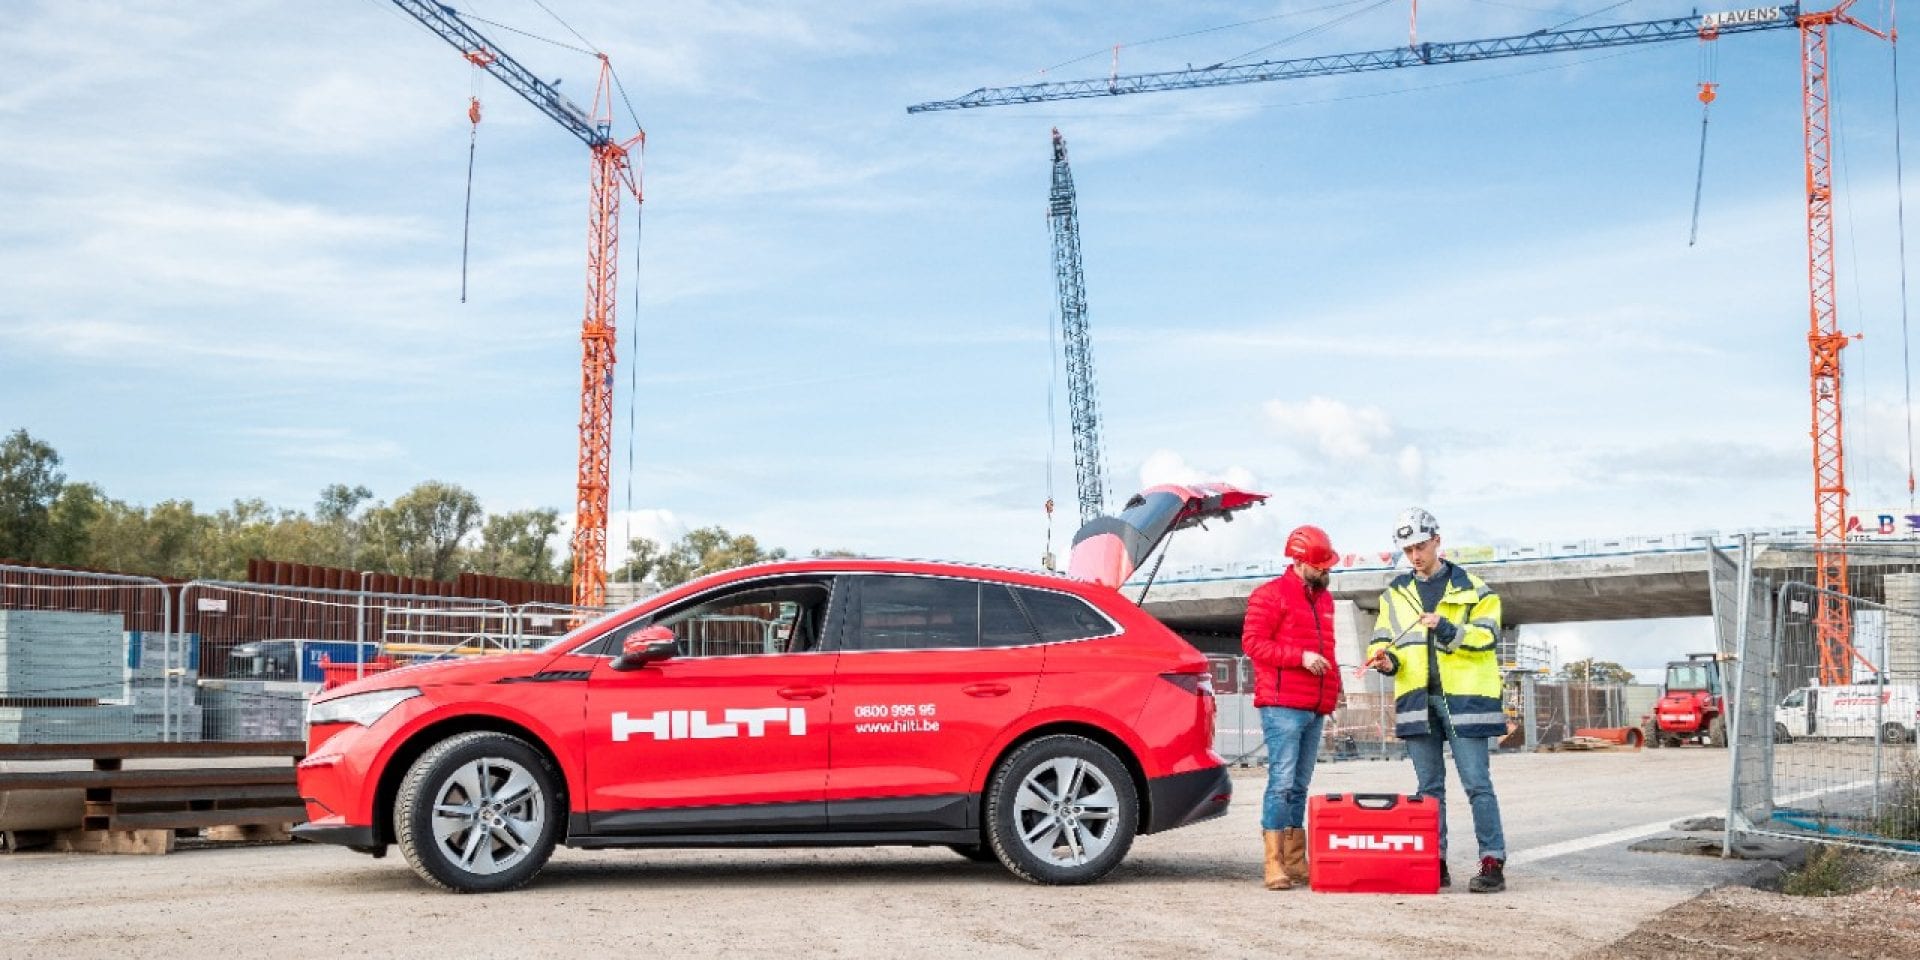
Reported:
(1289, 637)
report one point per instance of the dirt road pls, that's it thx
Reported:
(1187, 893)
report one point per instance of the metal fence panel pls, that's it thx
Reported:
(1829, 762)
(85, 658)
(1361, 726)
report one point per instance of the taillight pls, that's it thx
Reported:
(1198, 684)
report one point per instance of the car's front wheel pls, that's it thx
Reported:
(1061, 810)
(478, 813)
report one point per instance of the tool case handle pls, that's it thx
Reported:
(1376, 801)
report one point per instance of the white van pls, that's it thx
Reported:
(1849, 710)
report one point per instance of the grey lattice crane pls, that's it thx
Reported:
(1063, 214)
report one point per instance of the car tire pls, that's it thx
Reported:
(1780, 734)
(1717, 732)
(1893, 733)
(478, 813)
(1061, 810)
(977, 852)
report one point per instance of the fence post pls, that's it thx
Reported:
(1530, 710)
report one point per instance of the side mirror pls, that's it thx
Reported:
(644, 646)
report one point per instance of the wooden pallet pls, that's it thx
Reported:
(140, 810)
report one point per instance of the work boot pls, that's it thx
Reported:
(1293, 853)
(1276, 873)
(1446, 879)
(1492, 877)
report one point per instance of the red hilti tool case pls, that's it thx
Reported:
(1373, 843)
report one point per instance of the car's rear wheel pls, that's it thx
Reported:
(1717, 732)
(478, 813)
(1893, 733)
(1061, 810)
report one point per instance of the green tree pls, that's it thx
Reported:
(339, 520)
(71, 522)
(30, 482)
(518, 544)
(707, 550)
(643, 557)
(1598, 671)
(419, 534)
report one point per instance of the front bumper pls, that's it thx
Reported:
(1185, 798)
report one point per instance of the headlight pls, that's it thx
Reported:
(361, 708)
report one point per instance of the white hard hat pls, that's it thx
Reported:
(1414, 526)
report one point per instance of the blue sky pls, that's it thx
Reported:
(230, 236)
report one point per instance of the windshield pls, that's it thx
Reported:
(1689, 676)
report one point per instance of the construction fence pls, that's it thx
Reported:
(1541, 713)
(1826, 703)
(93, 657)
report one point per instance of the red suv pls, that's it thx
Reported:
(1037, 719)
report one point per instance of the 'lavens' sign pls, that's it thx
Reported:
(1728, 18)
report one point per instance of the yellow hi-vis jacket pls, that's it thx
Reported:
(1469, 664)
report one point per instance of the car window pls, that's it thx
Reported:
(1002, 624)
(783, 616)
(916, 613)
(1795, 699)
(1059, 616)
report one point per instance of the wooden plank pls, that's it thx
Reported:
(94, 751)
(181, 820)
(113, 841)
(184, 777)
(213, 793)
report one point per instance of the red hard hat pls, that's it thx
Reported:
(1309, 545)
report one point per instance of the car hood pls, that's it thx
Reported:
(1109, 549)
(450, 672)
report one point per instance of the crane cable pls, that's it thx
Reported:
(1709, 68)
(473, 140)
(1900, 207)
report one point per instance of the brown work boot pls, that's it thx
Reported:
(1293, 853)
(1276, 872)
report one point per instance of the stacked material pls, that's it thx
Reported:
(50, 655)
(247, 710)
(55, 668)
(162, 674)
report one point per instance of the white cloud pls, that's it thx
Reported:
(1362, 438)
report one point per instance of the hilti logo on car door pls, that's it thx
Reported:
(917, 697)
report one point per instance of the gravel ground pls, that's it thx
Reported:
(1195, 891)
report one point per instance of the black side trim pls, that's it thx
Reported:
(344, 836)
(941, 811)
(1190, 797)
(746, 818)
(862, 838)
(551, 676)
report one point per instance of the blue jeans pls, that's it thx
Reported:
(1293, 743)
(1472, 761)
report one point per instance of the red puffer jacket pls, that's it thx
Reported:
(1285, 620)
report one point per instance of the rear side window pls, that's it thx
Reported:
(1001, 622)
(916, 613)
(1058, 616)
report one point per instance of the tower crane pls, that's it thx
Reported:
(611, 171)
(1832, 616)
(1063, 215)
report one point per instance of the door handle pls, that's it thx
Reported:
(803, 693)
(986, 689)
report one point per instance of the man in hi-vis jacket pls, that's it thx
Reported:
(1436, 636)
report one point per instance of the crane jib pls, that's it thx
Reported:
(1749, 20)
